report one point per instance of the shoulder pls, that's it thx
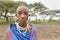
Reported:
(9, 27)
(12, 25)
(9, 32)
(33, 27)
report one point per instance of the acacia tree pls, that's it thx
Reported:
(9, 6)
(37, 7)
(52, 13)
(6, 7)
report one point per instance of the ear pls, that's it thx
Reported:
(29, 14)
(16, 15)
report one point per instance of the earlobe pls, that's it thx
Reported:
(16, 16)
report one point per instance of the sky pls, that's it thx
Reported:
(51, 4)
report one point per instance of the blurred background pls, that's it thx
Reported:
(44, 14)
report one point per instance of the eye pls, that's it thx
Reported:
(26, 13)
(19, 13)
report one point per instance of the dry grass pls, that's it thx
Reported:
(50, 31)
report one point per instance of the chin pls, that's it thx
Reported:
(22, 21)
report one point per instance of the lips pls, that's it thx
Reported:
(23, 20)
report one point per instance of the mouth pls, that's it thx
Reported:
(22, 20)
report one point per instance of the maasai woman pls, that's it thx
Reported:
(22, 30)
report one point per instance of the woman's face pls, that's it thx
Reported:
(22, 15)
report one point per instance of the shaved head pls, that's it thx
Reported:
(22, 7)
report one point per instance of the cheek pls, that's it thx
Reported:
(17, 16)
(27, 17)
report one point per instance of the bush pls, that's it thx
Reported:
(58, 21)
(36, 22)
(2, 21)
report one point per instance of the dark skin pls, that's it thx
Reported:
(22, 15)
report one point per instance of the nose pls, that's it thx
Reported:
(22, 16)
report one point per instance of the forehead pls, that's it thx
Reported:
(22, 9)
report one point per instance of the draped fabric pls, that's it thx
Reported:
(14, 34)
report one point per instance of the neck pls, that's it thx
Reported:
(23, 24)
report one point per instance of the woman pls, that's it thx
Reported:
(22, 30)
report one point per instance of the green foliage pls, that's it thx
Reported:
(39, 7)
(36, 22)
(3, 21)
(10, 5)
(51, 21)
(5, 0)
(58, 21)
